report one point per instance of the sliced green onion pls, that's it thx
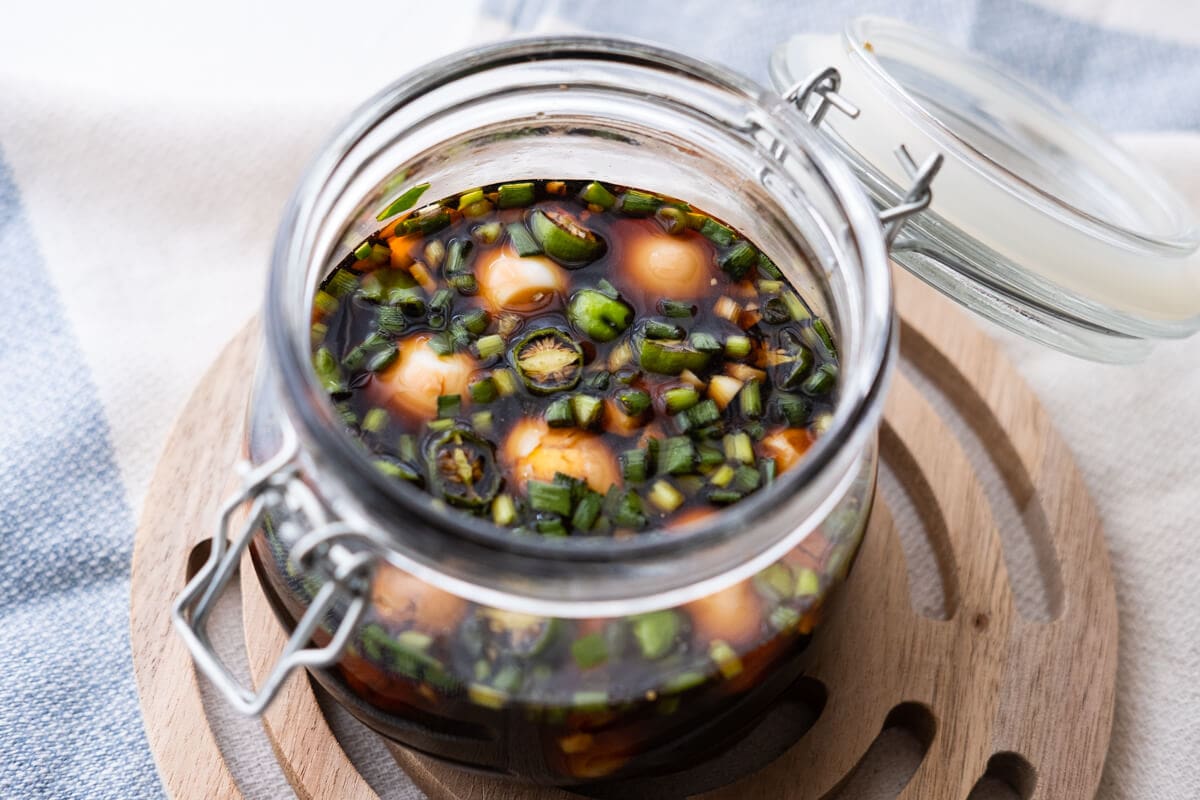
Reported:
(391, 319)
(823, 334)
(396, 469)
(589, 651)
(725, 658)
(600, 317)
(590, 700)
(654, 329)
(506, 381)
(464, 283)
(325, 302)
(404, 202)
(488, 233)
(449, 406)
(750, 400)
(682, 682)
(716, 233)
(656, 632)
(515, 195)
(639, 204)
(701, 414)
(792, 374)
(724, 497)
(607, 288)
(522, 240)
(676, 456)
(551, 526)
(550, 498)
(490, 345)
(822, 381)
(440, 425)
(665, 496)
(676, 308)
(341, 283)
(375, 420)
(596, 194)
(634, 465)
(456, 255)
(796, 307)
(596, 380)
(768, 268)
(737, 346)
(586, 409)
(363, 251)
(670, 358)
(680, 398)
(633, 401)
(676, 219)
(767, 467)
(808, 583)
(318, 331)
(626, 509)
(738, 260)
(481, 422)
(382, 359)
(722, 477)
(483, 390)
(408, 447)
(426, 223)
(504, 511)
(796, 410)
(746, 479)
(738, 447)
(784, 618)
(559, 413)
(380, 253)
(476, 321)
(587, 511)
(709, 456)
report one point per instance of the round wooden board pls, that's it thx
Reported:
(987, 690)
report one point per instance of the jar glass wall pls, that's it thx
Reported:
(470, 649)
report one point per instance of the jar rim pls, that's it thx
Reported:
(855, 417)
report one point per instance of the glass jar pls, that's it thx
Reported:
(459, 639)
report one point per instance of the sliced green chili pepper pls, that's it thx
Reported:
(670, 358)
(633, 401)
(600, 317)
(462, 468)
(548, 361)
(564, 239)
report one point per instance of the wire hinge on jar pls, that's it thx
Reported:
(818, 93)
(277, 495)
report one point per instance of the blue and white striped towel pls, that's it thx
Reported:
(146, 150)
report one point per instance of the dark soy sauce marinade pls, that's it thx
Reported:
(566, 358)
(576, 359)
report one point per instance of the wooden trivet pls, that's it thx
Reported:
(987, 690)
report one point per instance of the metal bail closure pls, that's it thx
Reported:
(818, 93)
(276, 489)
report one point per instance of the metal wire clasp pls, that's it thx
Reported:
(818, 93)
(275, 488)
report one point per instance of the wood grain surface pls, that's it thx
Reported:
(985, 690)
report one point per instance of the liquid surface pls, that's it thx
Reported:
(568, 358)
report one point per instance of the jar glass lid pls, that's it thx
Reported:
(1038, 220)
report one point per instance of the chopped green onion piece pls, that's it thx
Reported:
(596, 380)
(822, 381)
(441, 301)
(795, 306)
(490, 345)
(341, 283)
(363, 251)
(426, 223)
(716, 232)
(666, 496)
(476, 321)
(587, 511)
(775, 581)
(463, 283)
(449, 406)
(408, 447)
(325, 302)
(656, 632)
(784, 618)
(682, 682)
(607, 288)
(515, 195)
(676, 456)
(822, 422)
(676, 308)
(551, 498)
(587, 410)
(768, 268)
(822, 332)
(724, 497)
(792, 373)
(633, 401)
(634, 465)
(767, 287)
(522, 240)
(551, 526)
(435, 251)
(676, 219)
(627, 509)
(318, 331)
(355, 358)
(709, 456)
(559, 413)
(469, 198)
(380, 253)
(590, 700)
(404, 202)
(482, 421)
(456, 256)
(670, 358)
(796, 410)
(508, 679)
(725, 658)
(767, 467)
(705, 342)
(639, 204)
(680, 398)
(722, 476)
(396, 469)
(411, 304)
(775, 311)
(596, 194)
(737, 346)
(483, 390)
(506, 381)
(750, 400)
(600, 317)
(391, 319)
(382, 359)
(440, 425)
(486, 696)
(746, 479)
(653, 329)
(808, 583)
(738, 260)
(488, 233)
(589, 651)
(738, 447)
(375, 420)
(504, 511)
(701, 414)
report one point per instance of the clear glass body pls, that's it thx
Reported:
(470, 651)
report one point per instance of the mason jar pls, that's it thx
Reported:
(451, 636)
